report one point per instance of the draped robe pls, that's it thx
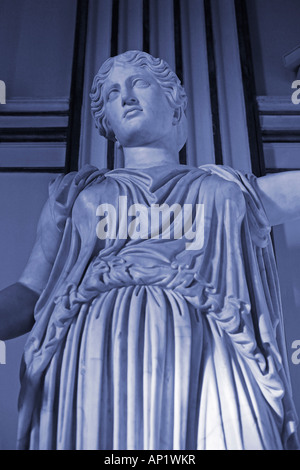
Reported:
(140, 343)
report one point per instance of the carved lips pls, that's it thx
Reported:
(132, 109)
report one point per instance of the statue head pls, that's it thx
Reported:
(160, 71)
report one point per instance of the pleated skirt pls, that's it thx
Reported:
(142, 368)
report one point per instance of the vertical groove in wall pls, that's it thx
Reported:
(213, 84)
(178, 39)
(113, 52)
(114, 28)
(252, 115)
(76, 91)
(146, 26)
(178, 59)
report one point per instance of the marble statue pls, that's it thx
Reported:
(151, 294)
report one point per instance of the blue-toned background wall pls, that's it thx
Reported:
(36, 50)
(275, 33)
(203, 40)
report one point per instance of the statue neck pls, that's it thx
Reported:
(143, 157)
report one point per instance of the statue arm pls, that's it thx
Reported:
(17, 301)
(280, 195)
(16, 313)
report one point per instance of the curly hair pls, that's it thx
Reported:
(161, 71)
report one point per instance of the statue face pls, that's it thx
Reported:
(136, 107)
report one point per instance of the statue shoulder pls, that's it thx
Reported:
(64, 190)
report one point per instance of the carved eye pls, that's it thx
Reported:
(112, 94)
(140, 83)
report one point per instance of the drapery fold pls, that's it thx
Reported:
(142, 344)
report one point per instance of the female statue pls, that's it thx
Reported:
(146, 335)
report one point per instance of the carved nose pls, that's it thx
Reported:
(129, 99)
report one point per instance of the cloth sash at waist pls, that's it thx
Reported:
(104, 274)
(117, 272)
